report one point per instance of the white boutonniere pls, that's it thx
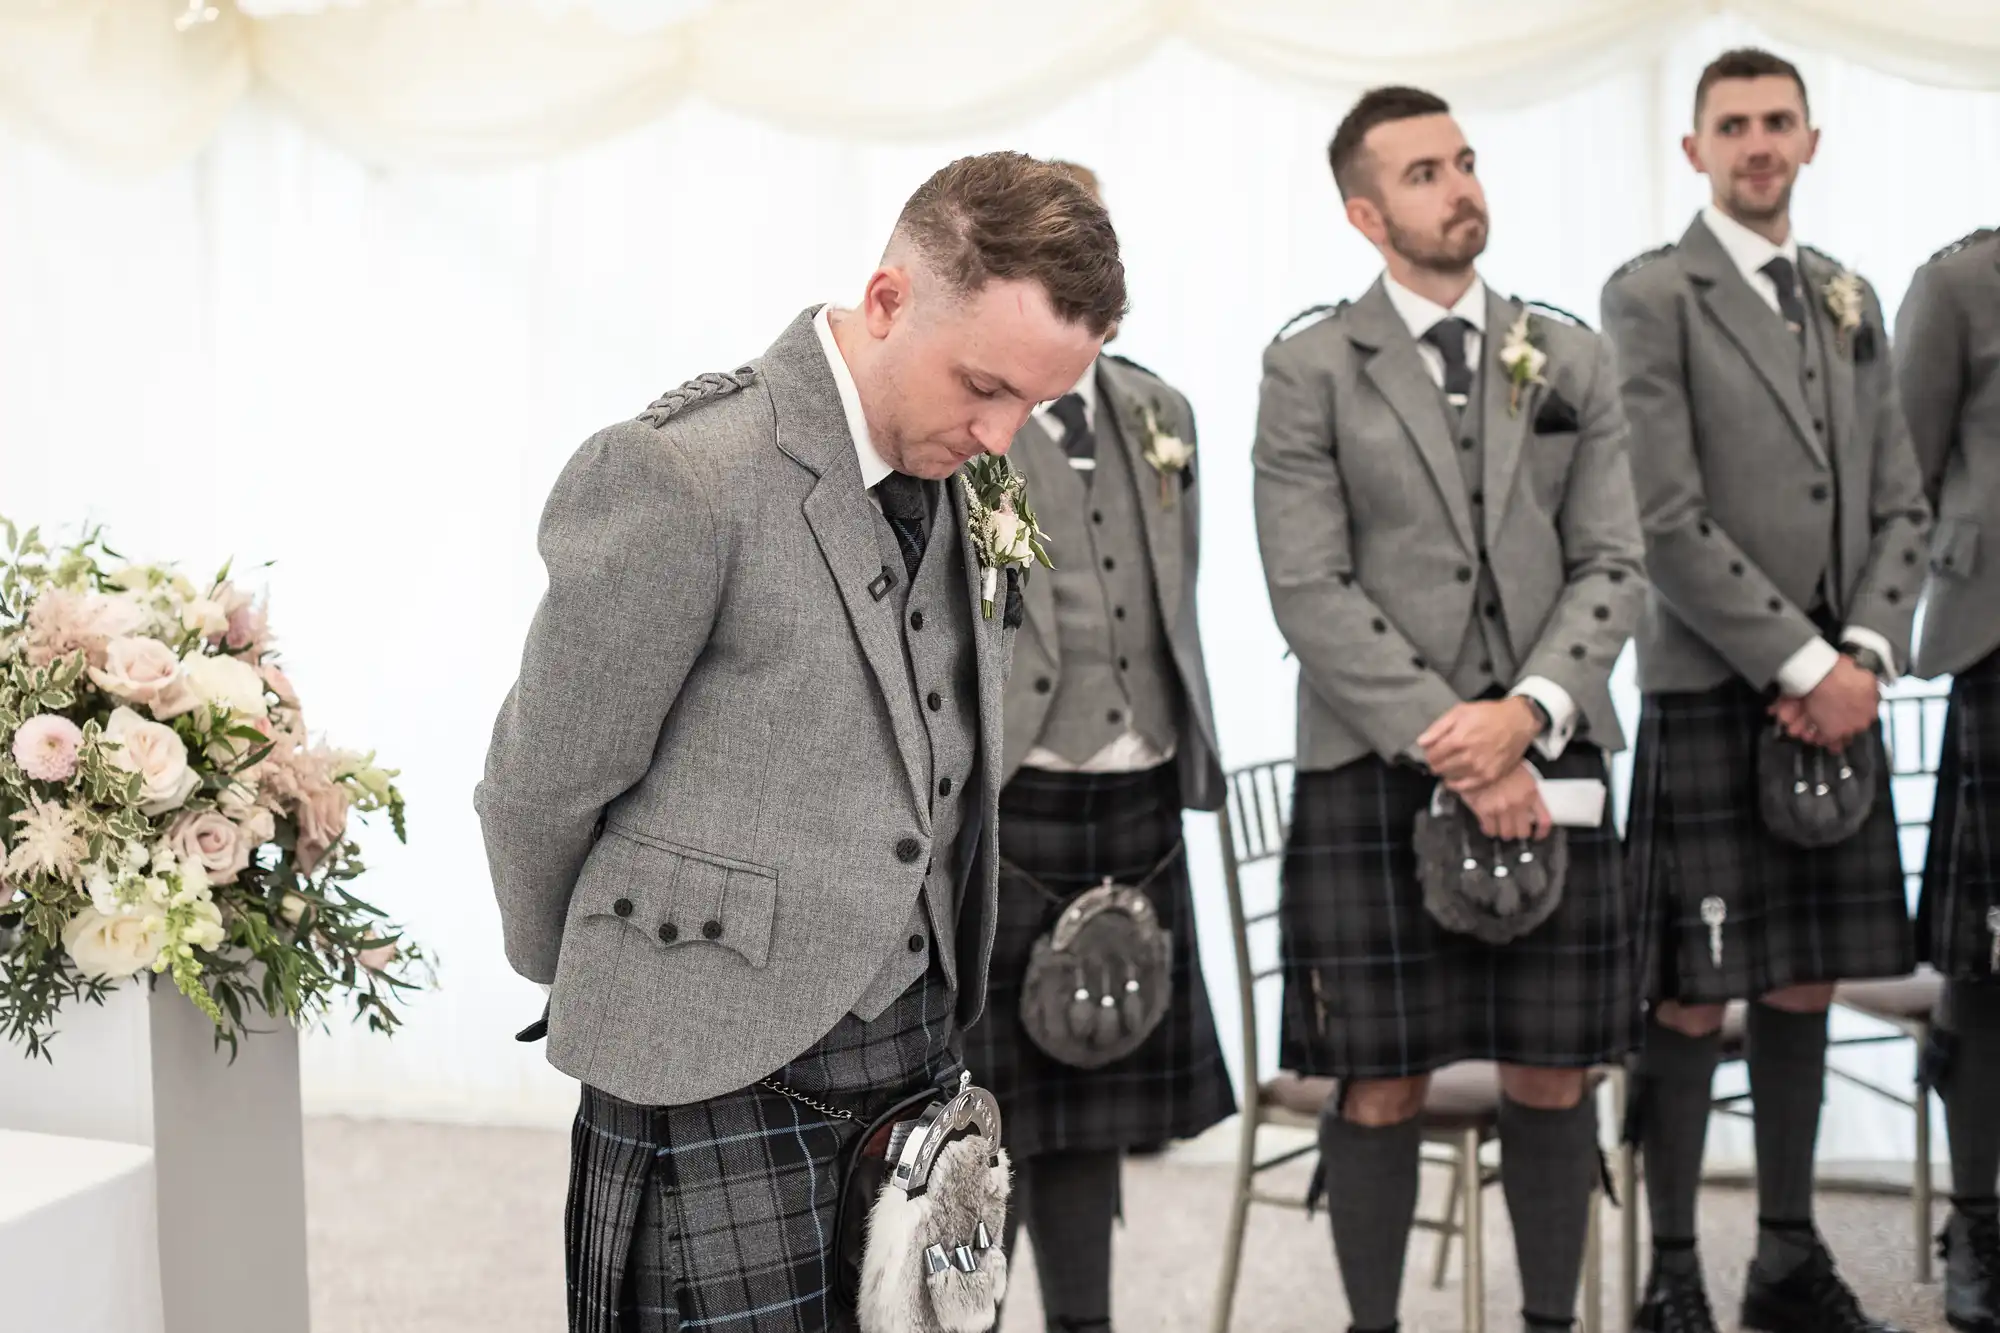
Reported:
(1845, 303)
(1524, 361)
(1003, 528)
(1168, 453)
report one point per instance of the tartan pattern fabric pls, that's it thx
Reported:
(720, 1214)
(1962, 862)
(1070, 831)
(1375, 988)
(1793, 915)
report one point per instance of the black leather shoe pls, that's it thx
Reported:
(1812, 1298)
(1676, 1302)
(1970, 1248)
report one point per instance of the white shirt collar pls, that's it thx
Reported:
(1420, 312)
(1086, 389)
(873, 469)
(1745, 248)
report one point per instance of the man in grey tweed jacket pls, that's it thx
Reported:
(740, 803)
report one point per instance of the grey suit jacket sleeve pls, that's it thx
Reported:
(1930, 371)
(1351, 653)
(634, 576)
(1603, 550)
(1898, 515)
(1690, 560)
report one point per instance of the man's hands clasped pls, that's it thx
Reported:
(1476, 750)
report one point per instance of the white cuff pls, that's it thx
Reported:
(546, 988)
(1862, 637)
(1555, 701)
(1806, 668)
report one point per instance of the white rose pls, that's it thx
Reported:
(207, 617)
(229, 683)
(291, 907)
(145, 672)
(1006, 526)
(157, 755)
(211, 840)
(110, 947)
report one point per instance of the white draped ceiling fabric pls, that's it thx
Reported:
(340, 287)
(146, 82)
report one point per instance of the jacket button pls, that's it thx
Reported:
(1736, 568)
(1819, 491)
(1704, 527)
(1602, 613)
(711, 930)
(934, 700)
(908, 850)
(1114, 717)
(1493, 610)
(1417, 662)
(916, 620)
(1096, 516)
(944, 786)
(623, 907)
(1893, 596)
(1617, 576)
(1819, 427)
(1486, 667)
(597, 829)
(1775, 605)
(1479, 497)
(916, 944)
(1909, 557)
(1464, 574)
(1379, 625)
(1117, 613)
(1109, 563)
(1124, 664)
(1043, 685)
(1468, 444)
(669, 932)
(1576, 650)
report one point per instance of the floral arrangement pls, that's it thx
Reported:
(1003, 527)
(163, 811)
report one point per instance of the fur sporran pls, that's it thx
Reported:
(1810, 796)
(1490, 889)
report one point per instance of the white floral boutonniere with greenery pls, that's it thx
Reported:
(1168, 453)
(1524, 362)
(1003, 527)
(1845, 303)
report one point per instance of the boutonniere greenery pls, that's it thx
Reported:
(1168, 453)
(1844, 301)
(1524, 361)
(1003, 528)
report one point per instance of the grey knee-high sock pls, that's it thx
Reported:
(1676, 1076)
(1371, 1199)
(1071, 1202)
(1970, 1087)
(1787, 1058)
(1548, 1168)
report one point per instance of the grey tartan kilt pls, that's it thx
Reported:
(1070, 831)
(1375, 988)
(720, 1214)
(1793, 916)
(1958, 919)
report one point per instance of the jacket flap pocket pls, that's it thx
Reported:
(700, 899)
(1955, 548)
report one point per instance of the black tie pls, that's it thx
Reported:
(907, 505)
(1079, 440)
(1786, 279)
(1448, 336)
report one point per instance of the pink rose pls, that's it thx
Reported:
(249, 625)
(144, 672)
(46, 746)
(322, 816)
(210, 840)
(157, 755)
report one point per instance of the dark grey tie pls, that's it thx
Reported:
(1785, 278)
(1079, 440)
(907, 505)
(1448, 336)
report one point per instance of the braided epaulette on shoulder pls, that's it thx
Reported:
(1557, 312)
(700, 389)
(1965, 242)
(1308, 317)
(1637, 262)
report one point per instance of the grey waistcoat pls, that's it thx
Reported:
(1484, 659)
(941, 668)
(1115, 669)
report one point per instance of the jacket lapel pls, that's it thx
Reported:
(1162, 531)
(1504, 432)
(812, 430)
(1755, 329)
(1398, 373)
(989, 644)
(1047, 464)
(1843, 423)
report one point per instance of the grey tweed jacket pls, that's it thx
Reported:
(1733, 472)
(714, 722)
(1948, 367)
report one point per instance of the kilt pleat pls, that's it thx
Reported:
(720, 1214)
(1961, 892)
(1376, 988)
(1070, 831)
(1794, 915)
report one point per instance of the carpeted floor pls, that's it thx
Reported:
(421, 1228)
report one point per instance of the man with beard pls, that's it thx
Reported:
(1784, 515)
(1450, 542)
(1948, 369)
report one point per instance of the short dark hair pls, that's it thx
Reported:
(1008, 216)
(1083, 176)
(1746, 62)
(1378, 106)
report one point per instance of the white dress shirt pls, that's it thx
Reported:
(1810, 665)
(1420, 313)
(1130, 752)
(873, 469)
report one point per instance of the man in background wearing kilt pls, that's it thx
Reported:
(1948, 368)
(740, 803)
(1784, 515)
(1109, 734)
(1449, 537)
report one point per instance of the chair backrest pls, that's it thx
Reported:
(1255, 820)
(1913, 715)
